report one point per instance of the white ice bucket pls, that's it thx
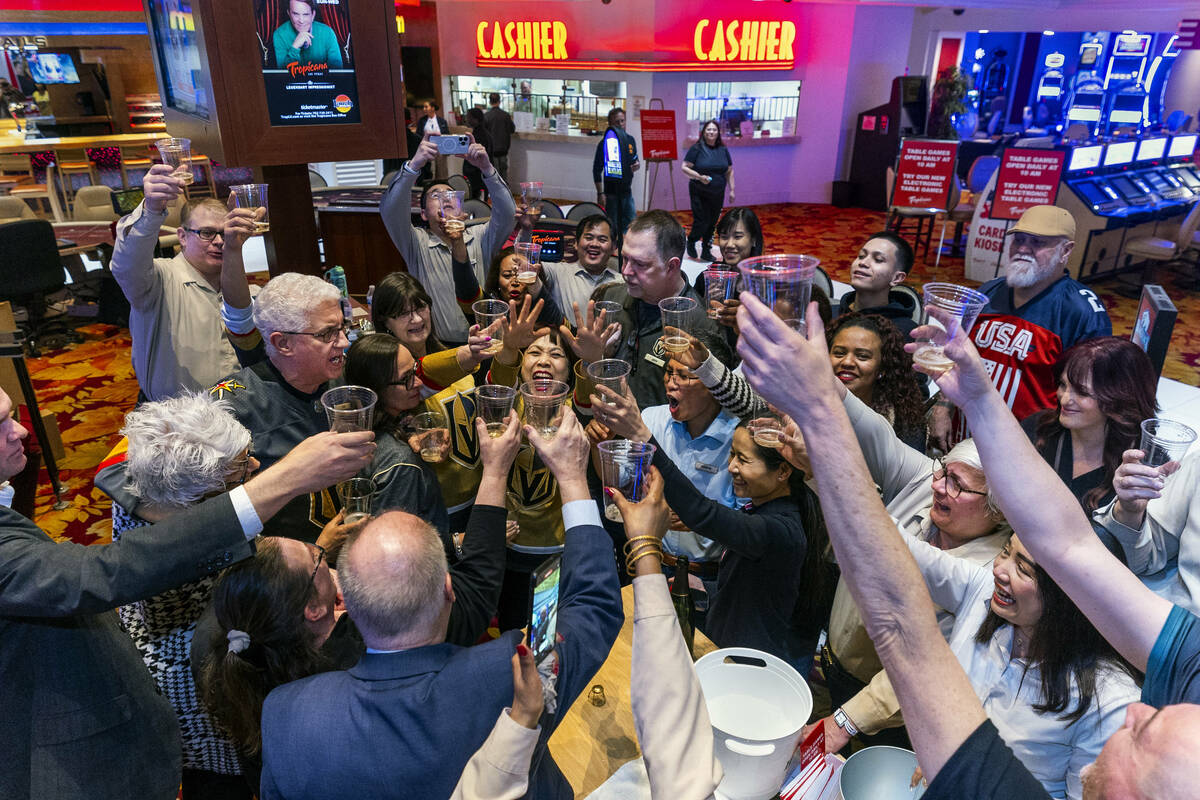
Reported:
(757, 705)
(880, 773)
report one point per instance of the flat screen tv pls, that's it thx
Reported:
(52, 68)
(178, 52)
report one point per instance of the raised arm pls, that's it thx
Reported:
(137, 235)
(1044, 513)
(396, 205)
(940, 706)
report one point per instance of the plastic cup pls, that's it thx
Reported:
(493, 404)
(719, 285)
(253, 196)
(611, 372)
(177, 154)
(610, 309)
(961, 306)
(450, 204)
(357, 495)
(623, 466)
(680, 313)
(490, 316)
(432, 436)
(349, 408)
(766, 428)
(543, 401)
(529, 255)
(531, 195)
(1164, 440)
(783, 283)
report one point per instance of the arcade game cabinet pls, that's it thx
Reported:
(877, 139)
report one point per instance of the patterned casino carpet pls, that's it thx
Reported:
(90, 386)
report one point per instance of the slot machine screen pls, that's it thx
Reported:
(1126, 188)
(1127, 108)
(1119, 153)
(1150, 149)
(1085, 157)
(1183, 145)
(1092, 193)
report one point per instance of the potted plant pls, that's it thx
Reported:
(947, 109)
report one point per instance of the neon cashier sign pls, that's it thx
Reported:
(733, 44)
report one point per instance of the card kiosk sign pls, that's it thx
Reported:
(923, 173)
(308, 63)
(1027, 178)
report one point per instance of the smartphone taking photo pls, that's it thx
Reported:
(543, 607)
(451, 144)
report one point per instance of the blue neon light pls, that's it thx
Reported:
(72, 29)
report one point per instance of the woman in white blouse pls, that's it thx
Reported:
(1054, 688)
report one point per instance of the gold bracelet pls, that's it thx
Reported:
(632, 561)
(632, 539)
(630, 558)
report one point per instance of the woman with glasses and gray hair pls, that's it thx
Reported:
(181, 451)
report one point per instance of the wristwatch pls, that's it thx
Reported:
(843, 722)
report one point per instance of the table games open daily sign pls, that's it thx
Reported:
(924, 173)
(658, 135)
(1027, 178)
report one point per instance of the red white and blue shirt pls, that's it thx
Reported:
(1020, 345)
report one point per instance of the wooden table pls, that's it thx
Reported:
(592, 742)
(86, 236)
(18, 145)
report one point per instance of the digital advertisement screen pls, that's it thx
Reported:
(178, 52)
(1085, 157)
(307, 61)
(1119, 153)
(1151, 149)
(1183, 145)
(52, 68)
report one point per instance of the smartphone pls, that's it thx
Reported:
(543, 607)
(451, 144)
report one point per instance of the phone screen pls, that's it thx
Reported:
(543, 615)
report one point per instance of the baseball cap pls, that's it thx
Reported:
(1046, 221)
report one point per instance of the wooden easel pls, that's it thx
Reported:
(656, 163)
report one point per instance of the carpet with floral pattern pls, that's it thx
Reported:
(90, 386)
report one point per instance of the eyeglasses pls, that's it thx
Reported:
(953, 486)
(316, 563)
(681, 377)
(240, 469)
(328, 336)
(206, 234)
(406, 380)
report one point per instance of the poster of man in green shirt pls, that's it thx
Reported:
(304, 41)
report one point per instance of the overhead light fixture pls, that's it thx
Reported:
(984, 30)
(1047, 33)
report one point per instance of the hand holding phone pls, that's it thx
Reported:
(451, 144)
(543, 607)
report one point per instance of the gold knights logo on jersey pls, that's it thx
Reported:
(229, 385)
(459, 409)
(530, 483)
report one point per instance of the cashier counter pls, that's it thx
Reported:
(1122, 190)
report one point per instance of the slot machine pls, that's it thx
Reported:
(1151, 165)
(1180, 158)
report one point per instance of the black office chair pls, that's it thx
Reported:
(550, 210)
(476, 209)
(581, 210)
(31, 270)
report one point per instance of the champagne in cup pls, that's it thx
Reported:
(958, 307)
(766, 430)
(432, 436)
(490, 316)
(623, 466)
(529, 255)
(1164, 440)
(493, 404)
(611, 372)
(719, 285)
(450, 210)
(349, 408)
(543, 400)
(783, 283)
(356, 494)
(253, 196)
(679, 314)
(177, 154)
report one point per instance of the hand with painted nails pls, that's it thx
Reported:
(527, 689)
(474, 352)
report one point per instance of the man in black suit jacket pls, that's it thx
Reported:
(404, 721)
(79, 713)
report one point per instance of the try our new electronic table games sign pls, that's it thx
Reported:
(307, 61)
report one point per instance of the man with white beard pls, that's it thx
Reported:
(1034, 314)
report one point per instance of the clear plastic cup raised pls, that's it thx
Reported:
(623, 466)
(783, 283)
(349, 408)
(176, 153)
(611, 372)
(493, 403)
(253, 196)
(610, 309)
(1164, 440)
(357, 495)
(450, 209)
(529, 254)
(766, 428)
(680, 314)
(959, 307)
(531, 196)
(543, 404)
(431, 434)
(491, 316)
(719, 285)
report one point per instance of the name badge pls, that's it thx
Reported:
(711, 469)
(655, 360)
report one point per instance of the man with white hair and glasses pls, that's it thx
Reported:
(1034, 314)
